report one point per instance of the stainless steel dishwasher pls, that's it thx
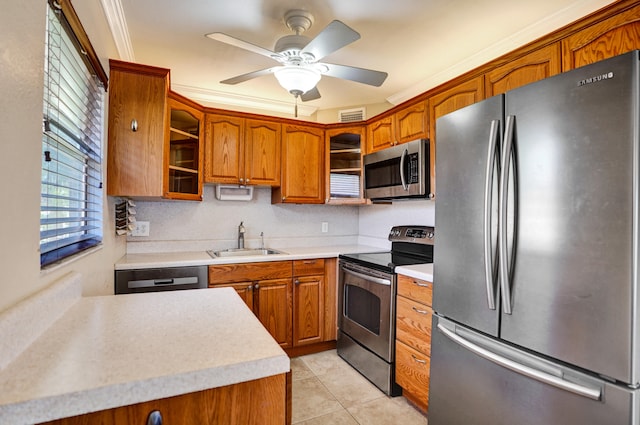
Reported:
(160, 279)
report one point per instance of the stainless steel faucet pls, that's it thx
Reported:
(241, 232)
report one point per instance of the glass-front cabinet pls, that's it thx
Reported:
(183, 178)
(345, 148)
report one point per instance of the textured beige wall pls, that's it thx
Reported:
(21, 87)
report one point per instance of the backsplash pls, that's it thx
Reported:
(212, 224)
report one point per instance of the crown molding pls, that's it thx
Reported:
(216, 98)
(119, 31)
(526, 35)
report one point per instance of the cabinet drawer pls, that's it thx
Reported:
(412, 373)
(416, 289)
(413, 324)
(241, 272)
(308, 267)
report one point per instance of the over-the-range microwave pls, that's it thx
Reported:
(398, 172)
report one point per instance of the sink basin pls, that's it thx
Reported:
(243, 252)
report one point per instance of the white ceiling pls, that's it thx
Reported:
(419, 43)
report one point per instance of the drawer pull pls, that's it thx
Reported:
(417, 310)
(309, 262)
(417, 360)
(422, 285)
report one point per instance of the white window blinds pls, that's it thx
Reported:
(71, 191)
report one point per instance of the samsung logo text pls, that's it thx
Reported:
(596, 79)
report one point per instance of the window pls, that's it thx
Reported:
(71, 190)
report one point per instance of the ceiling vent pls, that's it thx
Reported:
(351, 115)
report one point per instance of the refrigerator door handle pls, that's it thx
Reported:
(502, 216)
(488, 184)
(558, 382)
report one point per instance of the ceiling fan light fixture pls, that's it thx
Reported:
(297, 79)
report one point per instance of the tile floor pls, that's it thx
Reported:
(327, 391)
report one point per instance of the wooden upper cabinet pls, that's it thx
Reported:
(302, 166)
(452, 99)
(611, 37)
(183, 154)
(380, 134)
(136, 132)
(262, 152)
(242, 151)
(412, 123)
(530, 68)
(224, 152)
(344, 149)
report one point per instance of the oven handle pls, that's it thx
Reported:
(368, 277)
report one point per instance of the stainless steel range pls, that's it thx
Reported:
(367, 303)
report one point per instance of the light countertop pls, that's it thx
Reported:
(110, 351)
(418, 271)
(200, 258)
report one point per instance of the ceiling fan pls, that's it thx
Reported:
(300, 70)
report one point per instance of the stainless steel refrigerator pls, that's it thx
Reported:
(536, 289)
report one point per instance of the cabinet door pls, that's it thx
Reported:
(380, 134)
(262, 153)
(457, 97)
(273, 306)
(137, 106)
(412, 374)
(412, 123)
(611, 37)
(308, 301)
(535, 66)
(183, 153)
(224, 153)
(244, 289)
(302, 166)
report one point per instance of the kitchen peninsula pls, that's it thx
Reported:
(202, 347)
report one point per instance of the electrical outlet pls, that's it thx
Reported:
(325, 227)
(141, 228)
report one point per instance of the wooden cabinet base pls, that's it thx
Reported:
(303, 350)
(259, 402)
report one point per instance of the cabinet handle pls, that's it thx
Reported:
(432, 195)
(309, 262)
(422, 285)
(248, 180)
(417, 360)
(256, 286)
(417, 310)
(297, 282)
(154, 418)
(241, 180)
(134, 125)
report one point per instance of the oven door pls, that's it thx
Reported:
(367, 310)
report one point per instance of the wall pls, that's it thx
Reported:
(375, 221)
(21, 92)
(197, 226)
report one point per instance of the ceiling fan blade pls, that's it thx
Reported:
(312, 94)
(360, 75)
(333, 37)
(244, 77)
(219, 36)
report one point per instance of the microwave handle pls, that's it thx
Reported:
(403, 179)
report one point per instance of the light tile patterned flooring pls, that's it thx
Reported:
(327, 391)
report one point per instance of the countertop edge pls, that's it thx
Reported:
(201, 258)
(127, 393)
(418, 271)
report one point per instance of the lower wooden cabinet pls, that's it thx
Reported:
(260, 402)
(294, 300)
(308, 301)
(266, 288)
(413, 339)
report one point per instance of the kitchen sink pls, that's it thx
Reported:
(243, 252)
